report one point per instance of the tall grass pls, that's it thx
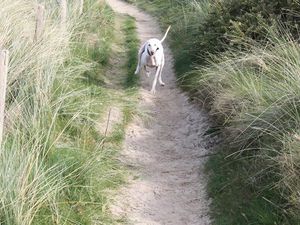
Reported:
(257, 96)
(50, 144)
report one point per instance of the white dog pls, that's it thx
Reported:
(151, 54)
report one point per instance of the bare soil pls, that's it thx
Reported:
(168, 185)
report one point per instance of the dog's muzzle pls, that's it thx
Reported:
(150, 53)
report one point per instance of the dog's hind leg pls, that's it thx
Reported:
(155, 79)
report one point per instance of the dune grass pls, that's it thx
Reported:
(56, 168)
(256, 94)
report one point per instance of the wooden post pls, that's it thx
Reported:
(81, 7)
(63, 13)
(4, 57)
(40, 22)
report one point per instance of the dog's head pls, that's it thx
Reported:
(153, 46)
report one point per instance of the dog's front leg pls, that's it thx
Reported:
(147, 71)
(159, 78)
(155, 79)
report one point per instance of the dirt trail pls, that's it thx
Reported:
(170, 185)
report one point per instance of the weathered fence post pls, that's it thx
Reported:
(63, 13)
(4, 57)
(40, 22)
(81, 7)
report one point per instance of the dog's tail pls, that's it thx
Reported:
(162, 40)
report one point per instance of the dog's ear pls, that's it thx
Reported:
(147, 47)
(143, 48)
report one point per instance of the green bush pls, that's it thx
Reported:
(229, 23)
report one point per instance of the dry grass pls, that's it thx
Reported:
(49, 144)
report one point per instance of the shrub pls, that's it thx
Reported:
(229, 23)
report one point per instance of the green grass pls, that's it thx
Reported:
(132, 43)
(236, 198)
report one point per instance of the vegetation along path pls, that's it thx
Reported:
(170, 186)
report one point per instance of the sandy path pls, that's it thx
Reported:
(170, 185)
